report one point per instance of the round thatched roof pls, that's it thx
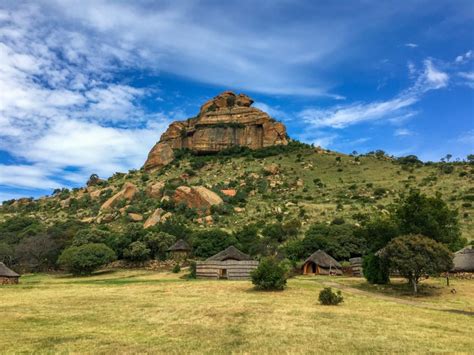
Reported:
(180, 245)
(231, 253)
(6, 272)
(322, 259)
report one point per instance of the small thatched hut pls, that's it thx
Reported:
(464, 260)
(7, 276)
(180, 250)
(229, 264)
(320, 263)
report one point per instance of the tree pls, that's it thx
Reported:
(470, 158)
(269, 275)
(431, 217)
(137, 251)
(84, 259)
(210, 242)
(415, 256)
(376, 270)
(38, 252)
(337, 240)
(249, 240)
(448, 157)
(6, 253)
(378, 232)
(159, 243)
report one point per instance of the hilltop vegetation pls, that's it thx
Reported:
(274, 199)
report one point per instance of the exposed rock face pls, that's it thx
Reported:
(223, 122)
(197, 197)
(128, 192)
(155, 190)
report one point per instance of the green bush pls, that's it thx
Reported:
(84, 259)
(137, 251)
(375, 269)
(176, 269)
(192, 270)
(269, 275)
(328, 298)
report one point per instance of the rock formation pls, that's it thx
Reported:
(197, 197)
(225, 121)
(128, 192)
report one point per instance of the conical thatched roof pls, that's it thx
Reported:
(180, 245)
(230, 253)
(322, 259)
(6, 272)
(464, 259)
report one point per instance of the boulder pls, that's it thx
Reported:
(155, 190)
(136, 217)
(226, 121)
(128, 192)
(229, 192)
(197, 197)
(154, 218)
(272, 169)
(65, 203)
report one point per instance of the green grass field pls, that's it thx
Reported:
(142, 311)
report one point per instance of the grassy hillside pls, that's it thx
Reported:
(311, 185)
(140, 311)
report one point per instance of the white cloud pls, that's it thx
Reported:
(274, 112)
(468, 78)
(434, 77)
(411, 45)
(395, 109)
(467, 138)
(403, 132)
(59, 107)
(464, 57)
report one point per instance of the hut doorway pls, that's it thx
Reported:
(311, 268)
(223, 274)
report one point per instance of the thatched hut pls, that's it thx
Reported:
(229, 264)
(180, 250)
(8, 276)
(464, 260)
(320, 263)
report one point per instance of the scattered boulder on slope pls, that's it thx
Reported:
(128, 192)
(197, 197)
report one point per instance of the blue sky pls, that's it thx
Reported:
(88, 87)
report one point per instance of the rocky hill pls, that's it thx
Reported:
(226, 121)
(232, 172)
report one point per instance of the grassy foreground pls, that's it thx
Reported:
(140, 311)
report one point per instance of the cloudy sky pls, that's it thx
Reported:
(88, 86)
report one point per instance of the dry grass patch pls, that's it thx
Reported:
(137, 311)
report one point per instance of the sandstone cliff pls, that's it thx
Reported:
(225, 121)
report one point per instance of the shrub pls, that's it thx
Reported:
(84, 259)
(192, 270)
(176, 268)
(375, 269)
(328, 298)
(269, 275)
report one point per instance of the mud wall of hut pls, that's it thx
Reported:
(8, 280)
(228, 269)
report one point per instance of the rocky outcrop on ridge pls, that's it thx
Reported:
(225, 121)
